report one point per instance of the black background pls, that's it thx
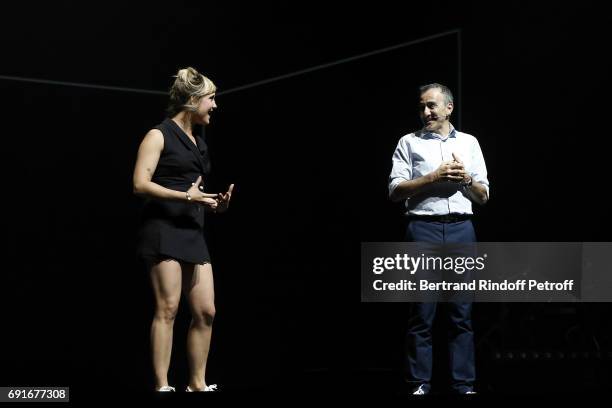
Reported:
(310, 157)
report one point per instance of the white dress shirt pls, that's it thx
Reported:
(422, 152)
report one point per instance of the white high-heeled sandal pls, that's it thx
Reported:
(165, 388)
(212, 387)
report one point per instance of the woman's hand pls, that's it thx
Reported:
(196, 194)
(223, 200)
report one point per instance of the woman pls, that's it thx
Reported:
(171, 165)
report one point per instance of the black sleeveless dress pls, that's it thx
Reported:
(175, 229)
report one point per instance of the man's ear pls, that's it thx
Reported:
(449, 108)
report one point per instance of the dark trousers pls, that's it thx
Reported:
(419, 356)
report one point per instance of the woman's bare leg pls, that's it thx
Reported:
(198, 286)
(166, 282)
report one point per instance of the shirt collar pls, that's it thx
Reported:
(453, 133)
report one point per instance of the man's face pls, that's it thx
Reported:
(433, 111)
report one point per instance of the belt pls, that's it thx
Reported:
(440, 218)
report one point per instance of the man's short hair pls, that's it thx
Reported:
(448, 95)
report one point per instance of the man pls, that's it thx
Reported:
(438, 172)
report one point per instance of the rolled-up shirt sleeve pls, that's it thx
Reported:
(479, 169)
(402, 165)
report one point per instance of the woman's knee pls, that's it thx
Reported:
(204, 315)
(167, 311)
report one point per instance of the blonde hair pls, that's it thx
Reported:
(187, 89)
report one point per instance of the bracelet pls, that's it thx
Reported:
(188, 195)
